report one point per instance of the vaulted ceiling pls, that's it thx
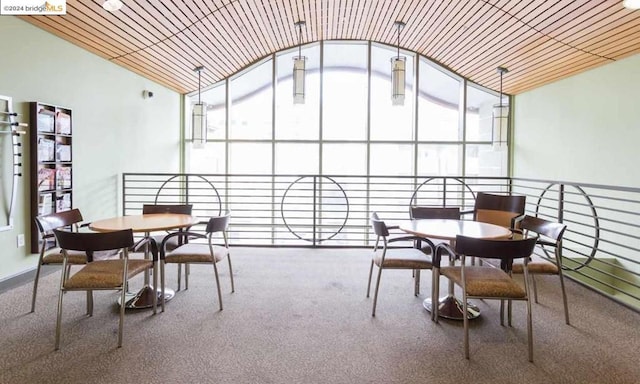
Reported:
(538, 41)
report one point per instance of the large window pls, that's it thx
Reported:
(348, 125)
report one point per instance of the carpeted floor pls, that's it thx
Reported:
(301, 316)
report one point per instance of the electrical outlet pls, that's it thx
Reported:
(21, 240)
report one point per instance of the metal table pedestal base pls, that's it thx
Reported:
(450, 307)
(144, 297)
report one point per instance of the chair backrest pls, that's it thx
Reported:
(546, 228)
(379, 227)
(218, 223)
(91, 242)
(47, 223)
(504, 250)
(498, 209)
(184, 209)
(421, 212)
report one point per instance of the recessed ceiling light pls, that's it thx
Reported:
(112, 5)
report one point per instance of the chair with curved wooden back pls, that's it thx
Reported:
(428, 212)
(488, 282)
(175, 242)
(109, 274)
(199, 253)
(184, 209)
(395, 258)
(53, 256)
(502, 210)
(498, 209)
(550, 236)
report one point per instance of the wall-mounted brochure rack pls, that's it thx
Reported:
(51, 163)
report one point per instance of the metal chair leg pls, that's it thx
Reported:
(564, 298)
(370, 273)
(435, 291)
(179, 275)
(375, 295)
(59, 318)
(231, 272)
(162, 265)
(155, 288)
(90, 303)
(121, 324)
(465, 317)
(35, 288)
(535, 288)
(416, 290)
(215, 270)
(187, 272)
(125, 278)
(527, 291)
(186, 276)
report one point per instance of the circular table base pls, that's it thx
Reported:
(144, 297)
(450, 307)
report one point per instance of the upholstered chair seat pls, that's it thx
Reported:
(485, 281)
(104, 274)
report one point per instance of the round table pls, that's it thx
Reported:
(146, 224)
(450, 307)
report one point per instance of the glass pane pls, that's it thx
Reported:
(344, 92)
(297, 159)
(390, 122)
(439, 160)
(298, 121)
(486, 160)
(438, 103)
(250, 158)
(209, 159)
(479, 113)
(392, 159)
(251, 102)
(344, 159)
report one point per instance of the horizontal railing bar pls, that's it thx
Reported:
(309, 210)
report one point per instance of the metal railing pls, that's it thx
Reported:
(601, 247)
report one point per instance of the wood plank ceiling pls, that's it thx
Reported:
(538, 41)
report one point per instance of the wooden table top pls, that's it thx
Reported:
(145, 223)
(449, 229)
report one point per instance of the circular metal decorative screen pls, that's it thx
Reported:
(314, 208)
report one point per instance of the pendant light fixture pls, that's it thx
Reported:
(500, 117)
(299, 69)
(398, 72)
(112, 5)
(199, 117)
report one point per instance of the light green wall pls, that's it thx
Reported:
(115, 129)
(585, 128)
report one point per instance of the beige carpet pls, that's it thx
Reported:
(301, 316)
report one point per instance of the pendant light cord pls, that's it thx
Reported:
(399, 28)
(199, 76)
(299, 40)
